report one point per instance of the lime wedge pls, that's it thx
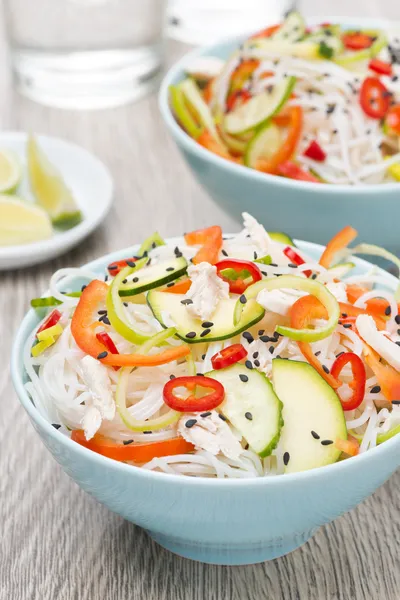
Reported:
(10, 171)
(50, 189)
(21, 222)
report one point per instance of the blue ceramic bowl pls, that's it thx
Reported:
(227, 522)
(304, 210)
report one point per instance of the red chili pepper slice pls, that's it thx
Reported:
(51, 320)
(357, 41)
(374, 98)
(315, 152)
(295, 259)
(105, 339)
(115, 267)
(237, 99)
(290, 170)
(238, 286)
(193, 403)
(359, 378)
(380, 66)
(228, 356)
(393, 119)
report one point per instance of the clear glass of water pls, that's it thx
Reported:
(84, 54)
(204, 21)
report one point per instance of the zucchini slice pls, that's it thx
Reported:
(163, 303)
(141, 280)
(263, 145)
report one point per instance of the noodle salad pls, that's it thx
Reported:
(227, 357)
(318, 104)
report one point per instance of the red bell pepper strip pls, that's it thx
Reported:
(374, 98)
(93, 296)
(228, 356)
(237, 98)
(315, 151)
(238, 286)
(349, 446)
(339, 241)
(303, 311)
(192, 403)
(242, 73)
(380, 66)
(359, 378)
(138, 453)
(295, 259)
(393, 119)
(388, 378)
(211, 242)
(105, 339)
(288, 147)
(357, 41)
(266, 33)
(291, 170)
(51, 320)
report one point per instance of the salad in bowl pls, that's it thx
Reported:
(225, 357)
(314, 103)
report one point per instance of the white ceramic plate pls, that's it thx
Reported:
(90, 182)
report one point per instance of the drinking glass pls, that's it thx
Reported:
(85, 54)
(205, 21)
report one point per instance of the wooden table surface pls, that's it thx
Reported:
(57, 543)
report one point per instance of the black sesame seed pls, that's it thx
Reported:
(112, 267)
(395, 78)
(248, 364)
(207, 324)
(347, 325)
(243, 299)
(200, 374)
(340, 354)
(325, 368)
(191, 334)
(154, 245)
(315, 435)
(105, 320)
(127, 442)
(327, 442)
(397, 343)
(264, 273)
(271, 349)
(101, 312)
(398, 332)
(243, 378)
(261, 331)
(172, 376)
(396, 402)
(255, 354)
(203, 356)
(205, 414)
(375, 390)
(292, 265)
(126, 281)
(317, 353)
(265, 338)
(134, 280)
(130, 263)
(344, 315)
(190, 422)
(247, 336)
(205, 332)
(56, 425)
(330, 109)
(256, 363)
(171, 284)
(83, 288)
(397, 319)
(273, 265)
(286, 458)
(187, 301)
(388, 311)
(255, 255)
(222, 417)
(224, 252)
(147, 432)
(314, 276)
(247, 446)
(248, 416)
(148, 262)
(125, 304)
(106, 278)
(170, 269)
(102, 355)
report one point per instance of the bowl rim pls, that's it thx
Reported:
(175, 73)
(58, 437)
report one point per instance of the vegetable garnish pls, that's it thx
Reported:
(290, 170)
(339, 241)
(211, 241)
(285, 152)
(295, 258)
(357, 41)
(359, 378)
(315, 151)
(380, 66)
(116, 267)
(393, 120)
(238, 286)
(199, 382)
(374, 98)
(137, 453)
(193, 403)
(228, 356)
